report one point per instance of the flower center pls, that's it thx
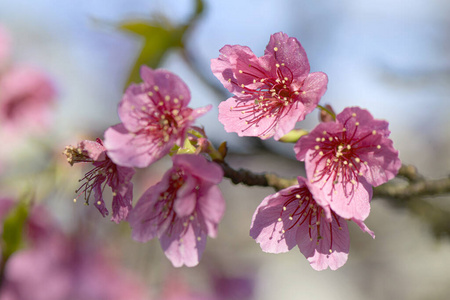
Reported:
(300, 209)
(164, 206)
(161, 117)
(105, 172)
(270, 96)
(339, 157)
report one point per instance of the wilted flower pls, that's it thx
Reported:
(293, 217)
(105, 172)
(181, 210)
(344, 159)
(272, 92)
(154, 116)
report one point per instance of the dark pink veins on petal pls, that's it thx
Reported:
(306, 213)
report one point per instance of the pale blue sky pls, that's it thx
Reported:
(388, 56)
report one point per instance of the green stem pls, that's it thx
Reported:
(327, 111)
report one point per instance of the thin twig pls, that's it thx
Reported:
(416, 185)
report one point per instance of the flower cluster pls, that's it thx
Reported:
(344, 156)
(186, 206)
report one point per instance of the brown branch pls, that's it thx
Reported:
(416, 186)
(420, 188)
(249, 178)
(407, 193)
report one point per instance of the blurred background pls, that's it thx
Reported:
(391, 57)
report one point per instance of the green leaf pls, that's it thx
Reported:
(13, 229)
(158, 39)
(199, 8)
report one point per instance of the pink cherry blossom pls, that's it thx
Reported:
(344, 159)
(26, 98)
(272, 92)
(105, 172)
(293, 217)
(154, 116)
(181, 210)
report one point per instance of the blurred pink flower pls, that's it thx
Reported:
(67, 269)
(155, 116)
(293, 217)
(105, 172)
(175, 288)
(344, 159)
(26, 98)
(58, 267)
(272, 92)
(181, 210)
